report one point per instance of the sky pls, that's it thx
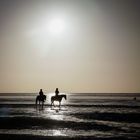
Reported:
(76, 46)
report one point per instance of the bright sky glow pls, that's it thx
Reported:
(56, 26)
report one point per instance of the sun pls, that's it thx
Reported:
(56, 26)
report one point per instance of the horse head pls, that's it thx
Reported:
(44, 97)
(65, 97)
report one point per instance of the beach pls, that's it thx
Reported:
(82, 116)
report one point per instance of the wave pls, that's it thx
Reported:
(72, 105)
(32, 120)
(41, 123)
(34, 137)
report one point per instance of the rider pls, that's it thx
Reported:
(40, 92)
(42, 96)
(56, 92)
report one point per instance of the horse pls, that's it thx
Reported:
(57, 98)
(40, 99)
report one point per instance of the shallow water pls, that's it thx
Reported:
(97, 116)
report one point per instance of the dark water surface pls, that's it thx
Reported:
(98, 116)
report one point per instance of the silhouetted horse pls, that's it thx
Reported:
(40, 99)
(57, 98)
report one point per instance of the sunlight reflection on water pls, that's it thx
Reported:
(57, 113)
(59, 132)
(65, 132)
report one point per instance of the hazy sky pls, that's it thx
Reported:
(75, 45)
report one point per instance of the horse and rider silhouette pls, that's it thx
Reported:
(57, 98)
(41, 98)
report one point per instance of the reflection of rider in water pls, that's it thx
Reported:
(56, 92)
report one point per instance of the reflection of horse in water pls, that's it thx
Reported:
(40, 99)
(57, 98)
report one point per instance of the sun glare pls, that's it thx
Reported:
(56, 26)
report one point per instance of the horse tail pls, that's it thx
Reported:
(51, 99)
(36, 100)
(44, 97)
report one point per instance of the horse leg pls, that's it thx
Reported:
(59, 104)
(42, 104)
(52, 103)
(36, 103)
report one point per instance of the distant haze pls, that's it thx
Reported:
(75, 45)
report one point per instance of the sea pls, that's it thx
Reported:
(81, 115)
